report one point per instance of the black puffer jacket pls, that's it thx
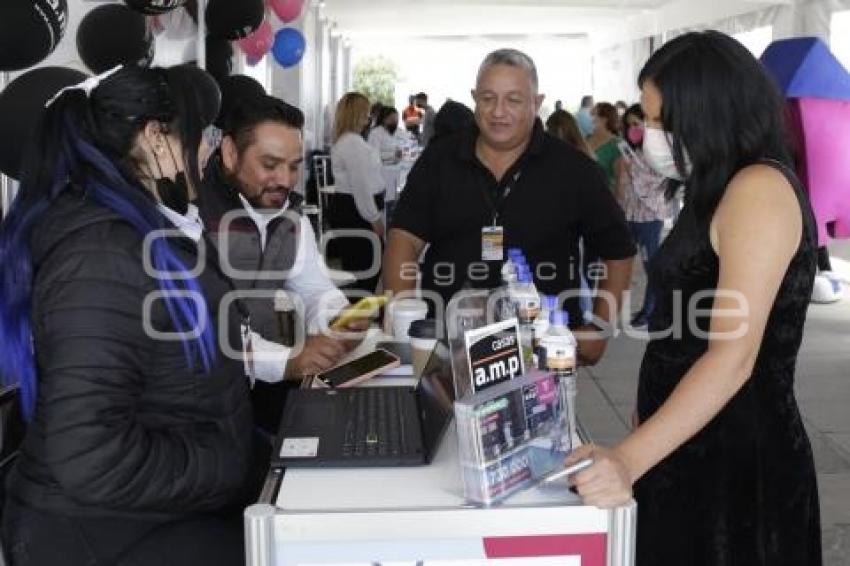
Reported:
(122, 425)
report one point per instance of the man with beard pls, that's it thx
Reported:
(269, 249)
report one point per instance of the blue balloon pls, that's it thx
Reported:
(289, 46)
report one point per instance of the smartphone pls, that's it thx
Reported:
(359, 370)
(366, 307)
(400, 349)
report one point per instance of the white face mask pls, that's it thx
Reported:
(657, 149)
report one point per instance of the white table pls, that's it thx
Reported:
(418, 516)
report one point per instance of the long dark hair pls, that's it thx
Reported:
(608, 113)
(721, 105)
(633, 110)
(563, 126)
(86, 141)
(384, 112)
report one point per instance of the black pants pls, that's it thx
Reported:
(355, 254)
(824, 263)
(268, 401)
(36, 538)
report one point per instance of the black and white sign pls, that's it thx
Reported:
(494, 354)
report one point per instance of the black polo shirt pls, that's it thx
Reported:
(550, 198)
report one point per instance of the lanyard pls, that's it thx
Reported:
(496, 207)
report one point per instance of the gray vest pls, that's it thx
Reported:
(259, 274)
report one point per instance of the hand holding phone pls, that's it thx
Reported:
(366, 307)
(359, 370)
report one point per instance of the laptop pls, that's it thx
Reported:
(368, 426)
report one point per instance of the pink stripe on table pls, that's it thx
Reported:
(590, 547)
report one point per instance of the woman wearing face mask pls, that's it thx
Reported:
(139, 444)
(640, 193)
(721, 465)
(359, 200)
(386, 138)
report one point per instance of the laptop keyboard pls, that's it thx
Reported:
(375, 426)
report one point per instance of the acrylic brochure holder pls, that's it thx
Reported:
(511, 436)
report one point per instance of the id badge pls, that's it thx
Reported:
(493, 243)
(248, 353)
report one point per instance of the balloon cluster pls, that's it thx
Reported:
(113, 34)
(287, 45)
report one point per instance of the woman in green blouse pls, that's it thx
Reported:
(604, 139)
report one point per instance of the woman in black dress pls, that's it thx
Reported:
(721, 465)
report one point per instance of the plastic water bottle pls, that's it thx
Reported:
(526, 303)
(505, 307)
(558, 350)
(509, 268)
(548, 303)
(525, 296)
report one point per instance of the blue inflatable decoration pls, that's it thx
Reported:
(289, 47)
(804, 67)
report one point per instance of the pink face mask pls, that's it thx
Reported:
(635, 135)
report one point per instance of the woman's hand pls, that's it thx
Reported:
(605, 484)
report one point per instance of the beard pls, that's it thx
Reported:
(254, 196)
(391, 128)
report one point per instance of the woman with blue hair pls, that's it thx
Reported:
(139, 444)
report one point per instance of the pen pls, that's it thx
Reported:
(574, 469)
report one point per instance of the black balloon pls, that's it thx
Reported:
(153, 7)
(114, 34)
(29, 31)
(219, 57)
(21, 105)
(232, 20)
(234, 89)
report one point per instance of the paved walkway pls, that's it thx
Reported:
(607, 395)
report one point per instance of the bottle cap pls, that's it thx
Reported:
(559, 318)
(523, 274)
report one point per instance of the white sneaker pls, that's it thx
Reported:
(826, 289)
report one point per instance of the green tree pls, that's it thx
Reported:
(376, 78)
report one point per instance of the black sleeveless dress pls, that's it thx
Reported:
(743, 490)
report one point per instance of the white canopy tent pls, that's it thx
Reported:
(581, 46)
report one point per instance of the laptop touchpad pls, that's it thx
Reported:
(314, 413)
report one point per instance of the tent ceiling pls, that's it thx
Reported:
(368, 19)
(408, 18)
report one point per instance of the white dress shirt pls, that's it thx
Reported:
(308, 280)
(387, 144)
(357, 172)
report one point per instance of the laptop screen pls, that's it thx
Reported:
(436, 396)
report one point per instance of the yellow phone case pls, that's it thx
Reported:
(365, 307)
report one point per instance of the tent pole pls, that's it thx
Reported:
(7, 190)
(202, 34)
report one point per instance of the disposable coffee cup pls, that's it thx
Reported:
(403, 312)
(423, 339)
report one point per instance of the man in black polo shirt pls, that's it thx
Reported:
(507, 176)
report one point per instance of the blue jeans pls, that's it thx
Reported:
(647, 237)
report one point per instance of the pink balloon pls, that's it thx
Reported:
(287, 10)
(256, 45)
